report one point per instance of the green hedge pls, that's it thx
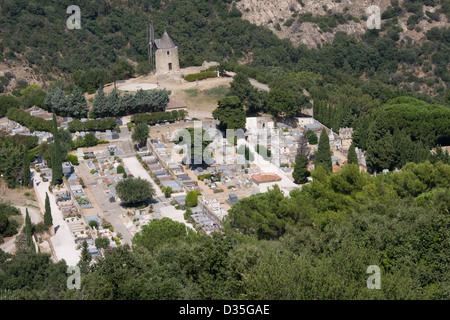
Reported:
(200, 76)
(157, 117)
(31, 122)
(92, 125)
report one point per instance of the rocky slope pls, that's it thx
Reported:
(284, 18)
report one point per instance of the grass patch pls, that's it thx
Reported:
(19, 219)
(193, 93)
(219, 92)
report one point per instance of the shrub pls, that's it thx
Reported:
(200, 76)
(93, 224)
(192, 199)
(73, 159)
(312, 137)
(120, 169)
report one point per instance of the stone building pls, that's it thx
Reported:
(345, 138)
(166, 55)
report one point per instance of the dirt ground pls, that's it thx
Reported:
(17, 196)
(201, 98)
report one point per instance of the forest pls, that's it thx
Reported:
(317, 244)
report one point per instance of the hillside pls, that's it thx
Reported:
(312, 22)
(411, 51)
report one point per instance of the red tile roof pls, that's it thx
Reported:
(264, 178)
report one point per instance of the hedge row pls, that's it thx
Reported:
(31, 122)
(92, 125)
(158, 117)
(200, 76)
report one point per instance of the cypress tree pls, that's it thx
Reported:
(28, 230)
(300, 173)
(352, 157)
(56, 161)
(323, 154)
(380, 148)
(26, 168)
(48, 220)
(85, 255)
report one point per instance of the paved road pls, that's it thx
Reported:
(259, 85)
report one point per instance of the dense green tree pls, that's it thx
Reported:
(48, 219)
(380, 149)
(57, 174)
(102, 243)
(135, 190)
(26, 169)
(33, 95)
(57, 101)
(6, 102)
(281, 103)
(28, 231)
(77, 105)
(141, 134)
(323, 155)
(352, 157)
(300, 173)
(158, 232)
(113, 107)
(99, 103)
(90, 140)
(230, 113)
(312, 137)
(192, 199)
(251, 98)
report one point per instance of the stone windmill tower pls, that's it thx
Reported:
(163, 53)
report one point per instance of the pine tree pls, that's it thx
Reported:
(56, 161)
(300, 173)
(352, 157)
(26, 168)
(98, 106)
(28, 230)
(48, 220)
(323, 154)
(113, 106)
(77, 104)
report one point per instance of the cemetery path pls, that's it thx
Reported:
(110, 211)
(63, 241)
(137, 170)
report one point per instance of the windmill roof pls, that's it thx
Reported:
(165, 42)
